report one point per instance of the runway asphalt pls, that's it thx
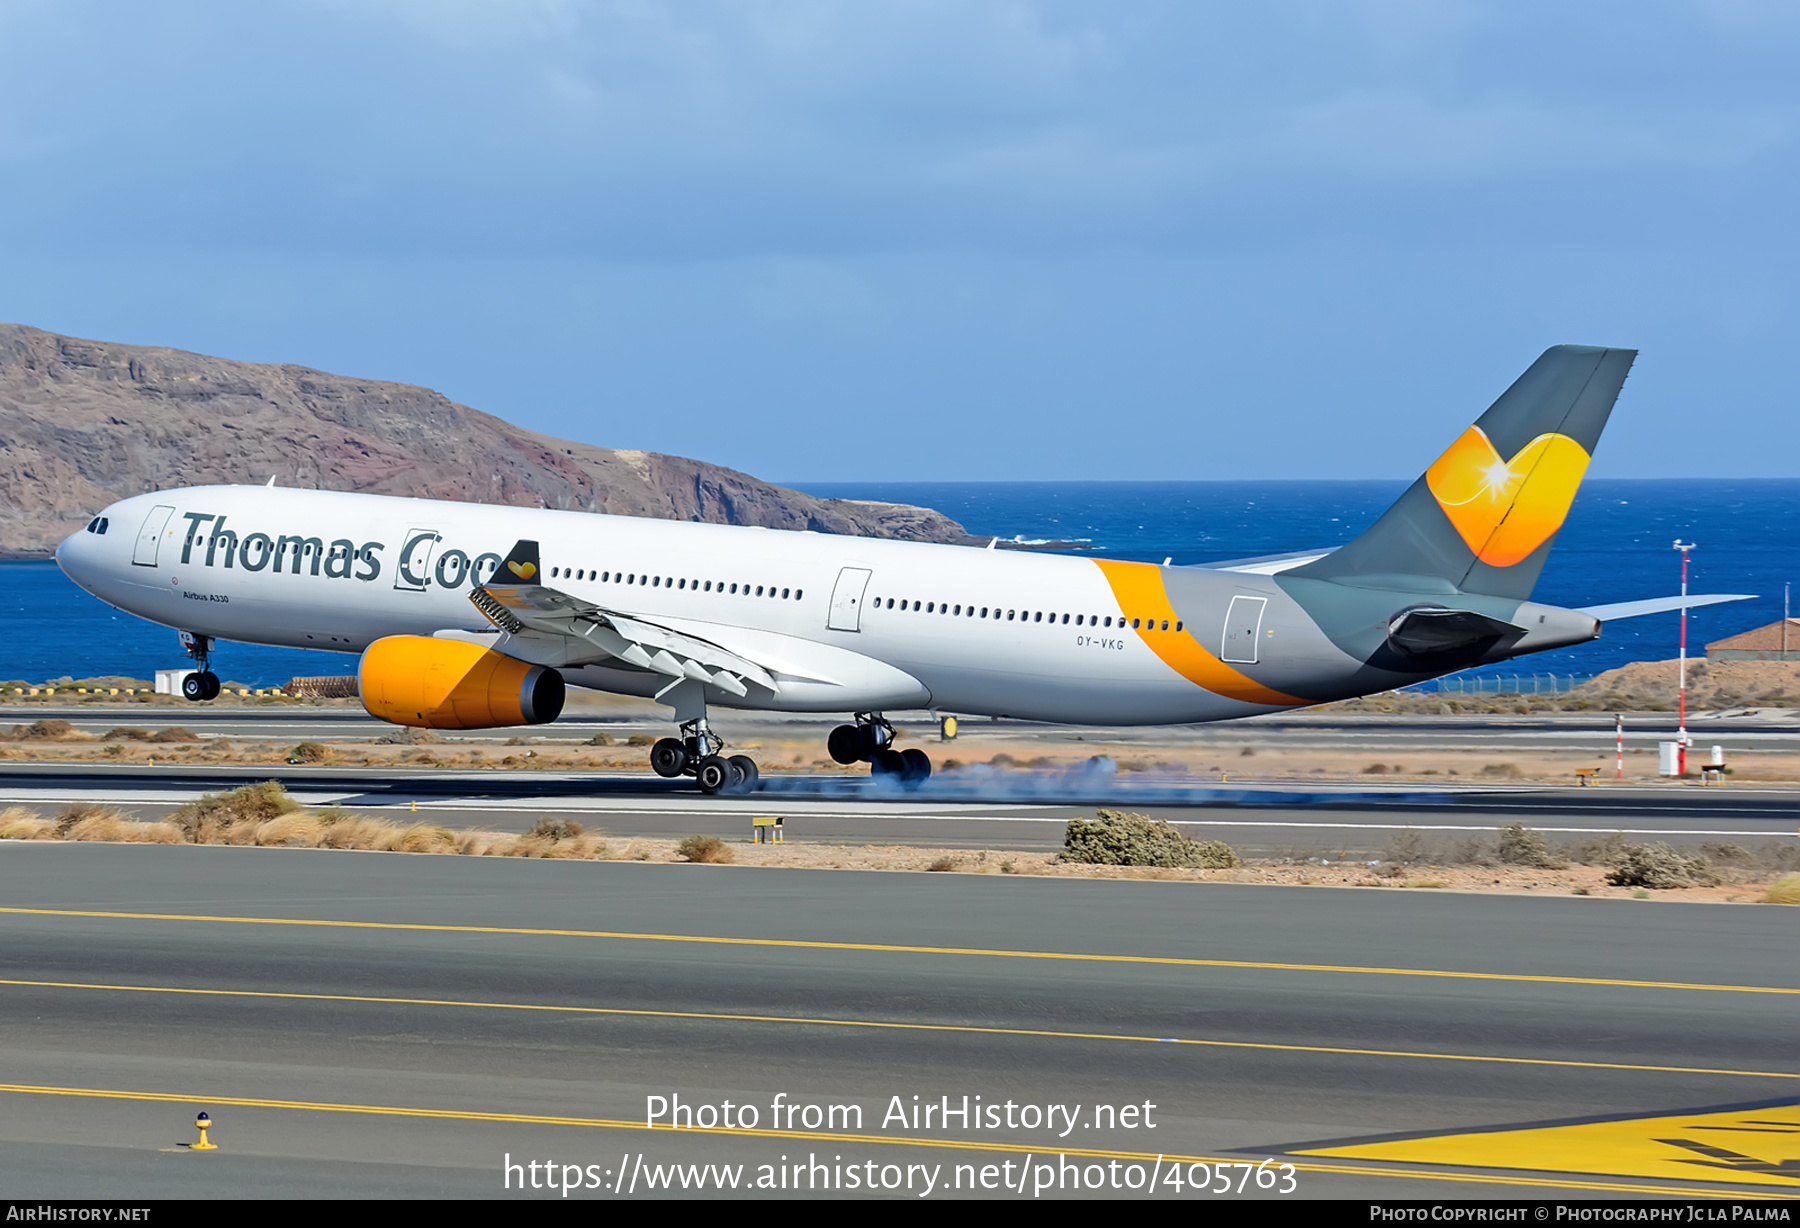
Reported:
(985, 809)
(363, 1025)
(1747, 729)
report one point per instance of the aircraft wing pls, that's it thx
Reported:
(514, 601)
(1658, 605)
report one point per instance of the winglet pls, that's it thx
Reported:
(520, 566)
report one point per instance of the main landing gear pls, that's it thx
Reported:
(696, 754)
(871, 741)
(202, 683)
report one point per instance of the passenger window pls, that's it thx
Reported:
(784, 594)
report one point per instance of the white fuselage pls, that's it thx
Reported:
(965, 630)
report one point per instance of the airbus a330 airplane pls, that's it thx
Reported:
(469, 616)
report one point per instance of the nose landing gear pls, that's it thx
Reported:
(202, 684)
(871, 741)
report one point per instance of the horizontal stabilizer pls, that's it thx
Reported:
(1269, 564)
(1658, 605)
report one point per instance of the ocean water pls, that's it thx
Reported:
(1616, 546)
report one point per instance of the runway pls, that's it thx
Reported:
(380, 1025)
(1014, 810)
(1760, 729)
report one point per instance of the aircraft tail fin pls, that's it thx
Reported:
(1484, 515)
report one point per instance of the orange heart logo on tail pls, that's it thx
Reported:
(522, 570)
(1505, 509)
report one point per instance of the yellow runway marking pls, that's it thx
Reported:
(975, 1029)
(1757, 1146)
(602, 1123)
(813, 945)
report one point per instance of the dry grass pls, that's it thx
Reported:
(84, 822)
(1786, 890)
(708, 849)
(264, 815)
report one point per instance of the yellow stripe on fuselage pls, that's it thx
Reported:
(1138, 588)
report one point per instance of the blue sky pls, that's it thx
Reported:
(962, 240)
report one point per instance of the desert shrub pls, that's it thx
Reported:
(308, 752)
(1523, 846)
(1375, 769)
(944, 863)
(704, 849)
(126, 733)
(1600, 850)
(48, 730)
(233, 817)
(639, 739)
(1115, 838)
(555, 829)
(1659, 866)
(602, 738)
(1786, 890)
(1405, 847)
(174, 733)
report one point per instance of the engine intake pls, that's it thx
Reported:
(449, 684)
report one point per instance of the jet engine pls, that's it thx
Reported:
(449, 684)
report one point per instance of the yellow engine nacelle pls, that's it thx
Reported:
(449, 684)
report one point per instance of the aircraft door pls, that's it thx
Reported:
(414, 568)
(847, 599)
(144, 555)
(1243, 630)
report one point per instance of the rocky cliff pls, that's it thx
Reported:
(83, 423)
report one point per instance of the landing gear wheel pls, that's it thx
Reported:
(715, 775)
(888, 763)
(210, 681)
(916, 769)
(747, 773)
(193, 687)
(845, 745)
(668, 758)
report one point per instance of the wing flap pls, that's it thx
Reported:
(515, 602)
